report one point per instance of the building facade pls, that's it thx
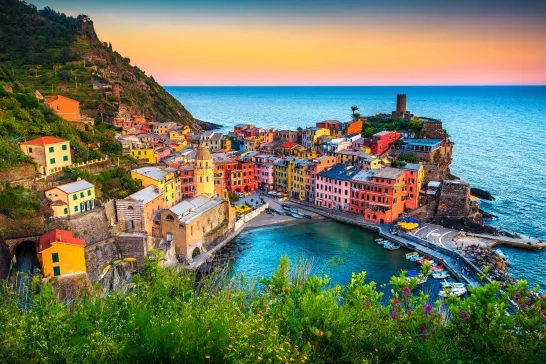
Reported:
(51, 154)
(61, 254)
(72, 198)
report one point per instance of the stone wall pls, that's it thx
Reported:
(98, 256)
(26, 171)
(4, 259)
(91, 226)
(454, 199)
(134, 245)
(110, 211)
(432, 130)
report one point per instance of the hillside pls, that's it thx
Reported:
(57, 54)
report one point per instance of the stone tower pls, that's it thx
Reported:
(116, 91)
(204, 172)
(400, 104)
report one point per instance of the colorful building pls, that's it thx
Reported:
(298, 170)
(242, 178)
(319, 164)
(381, 142)
(167, 180)
(72, 198)
(145, 153)
(264, 171)
(61, 254)
(353, 127)
(51, 154)
(136, 211)
(379, 195)
(415, 178)
(187, 182)
(310, 136)
(65, 107)
(333, 187)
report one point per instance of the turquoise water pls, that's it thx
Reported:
(334, 249)
(499, 135)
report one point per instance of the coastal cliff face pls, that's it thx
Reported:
(60, 55)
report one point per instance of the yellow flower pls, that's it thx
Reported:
(259, 358)
(207, 356)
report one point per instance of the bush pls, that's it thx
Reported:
(18, 202)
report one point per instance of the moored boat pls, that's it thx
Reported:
(440, 274)
(294, 215)
(391, 246)
(416, 258)
(294, 210)
(438, 267)
(452, 284)
(280, 212)
(411, 255)
(380, 241)
(422, 278)
(452, 292)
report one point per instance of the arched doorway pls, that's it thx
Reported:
(26, 261)
(195, 252)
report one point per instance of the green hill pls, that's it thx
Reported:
(57, 54)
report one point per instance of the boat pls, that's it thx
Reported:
(411, 255)
(421, 261)
(380, 241)
(391, 246)
(452, 284)
(452, 292)
(280, 212)
(440, 274)
(294, 210)
(421, 278)
(295, 216)
(286, 207)
(416, 258)
(438, 267)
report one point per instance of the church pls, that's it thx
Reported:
(197, 223)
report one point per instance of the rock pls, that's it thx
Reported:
(484, 195)
(487, 215)
(208, 125)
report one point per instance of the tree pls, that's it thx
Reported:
(354, 110)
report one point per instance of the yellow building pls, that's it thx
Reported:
(166, 179)
(297, 174)
(51, 154)
(203, 172)
(310, 136)
(146, 154)
(306, 153)
(178, 132)
(71, 198)
(283, 174)
(61, 254)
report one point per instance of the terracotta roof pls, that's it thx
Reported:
(44, 141)
(62, 236)
(287, 144)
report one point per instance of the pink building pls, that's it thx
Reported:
(264, 171)
(319, 164)
(333, 187)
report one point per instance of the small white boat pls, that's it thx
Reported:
(422, 278)
(296, 216)
(416, 258)
(411, 255)
(294, 210)
(452, 292)
(453, 284)
(380, 241)
(440, 274)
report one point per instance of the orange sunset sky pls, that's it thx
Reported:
(324, 43)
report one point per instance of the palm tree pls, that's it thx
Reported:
(354, 109)
(356, 115)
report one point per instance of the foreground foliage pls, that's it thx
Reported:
(289, 318)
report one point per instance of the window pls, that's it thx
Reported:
(52, 161)
(64, 147)
(75, 197)
(65, 158)
(30, 150)
(51, 149)
(65, 210)
(76, 208)
(56, 271)
(88, 192)
(55, 257)
(81, 194)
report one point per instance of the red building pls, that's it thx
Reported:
(223, 165)
(380, 142)
(242, 179)
(329, 124)
(379, 195)
(187, 183)
(251, 132)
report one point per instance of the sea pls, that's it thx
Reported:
(499, 135)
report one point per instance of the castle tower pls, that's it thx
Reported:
(204, 172)
(400, 104)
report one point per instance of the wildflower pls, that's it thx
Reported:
(395, 302)
(428, 309)
(406, 292)
(517, 296)
(207, 356)
(463, 315)
(259, 357)
(410, 312)
(422, 329)
(367, 303)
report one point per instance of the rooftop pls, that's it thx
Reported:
(155, 173)
(412, 166)
(61, 236)
(146, 195)
(340, 171)
(44, 141)
(75, 186)
(189, 209)
(389, 173)
(422, 142)
(364, 175)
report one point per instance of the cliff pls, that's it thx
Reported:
(57, 54)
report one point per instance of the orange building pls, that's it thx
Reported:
(353, 127)
(379, 195)
(61, 253)
(65, 107)
(415, 176)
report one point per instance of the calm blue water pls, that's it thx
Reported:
(499, 135)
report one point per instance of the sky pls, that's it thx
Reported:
(320, 42)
